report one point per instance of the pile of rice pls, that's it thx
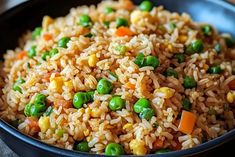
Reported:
(95, 122)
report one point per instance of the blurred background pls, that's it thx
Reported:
(5, 4)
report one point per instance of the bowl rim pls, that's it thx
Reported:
(71, 153)
(209, 145)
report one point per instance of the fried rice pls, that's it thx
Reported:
(93, 52)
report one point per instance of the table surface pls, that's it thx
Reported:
(5, 151)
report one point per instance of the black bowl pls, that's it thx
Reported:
(14, 22)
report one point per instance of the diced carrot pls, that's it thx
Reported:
(21, 55)
(158, 144)
(63, 103)
(127, 4)
(47, 37)
(32, 123)
(187, 122)
(231, 85)
(46, 77)
(124, 31)
(130, 85)
(62, 121)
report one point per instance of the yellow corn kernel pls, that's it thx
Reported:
(170, 47)
(138, 17)
(56, 84)
(69, 84)
(81, 110)
(88, 110)
(88, 139)
(183, 38)
(86, 132)
(97, 102)
(31, 81)
(44, 123)
(47, 20)
(230, 97)
(92, 60)
(138, 147)
(95, 112)
(128, 127)
(164, 92)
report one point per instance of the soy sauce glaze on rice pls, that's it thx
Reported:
(121, 79)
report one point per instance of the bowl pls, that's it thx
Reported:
(15, 21)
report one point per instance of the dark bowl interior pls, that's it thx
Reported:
(14, 22)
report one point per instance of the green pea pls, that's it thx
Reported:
(83, 147)
(141, 104)
(45, 55)
(146, 6)
(215, 69)
(79, 99)
(36, 33)
(147, 113)
(27, 109)
(189, 82)
(106, 23)
(170, 72)
(40, 98)
(114, 149)
(37, 110)
(59, 132)
(218, 48)
(85, 20)
(195, 47)
(229, 41)
(172, 26)
(116, 103)
(161, 151)
(108, 10)
(63, 42)
(121, 49)
(180, 57)
(186, 104)
(53, 52)
(151, 61)
(121, 22)
(207, 30)
(16, 87)
(104, 86)
(20, 81)
(32, 52)
(139, 60)
(48, 111)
